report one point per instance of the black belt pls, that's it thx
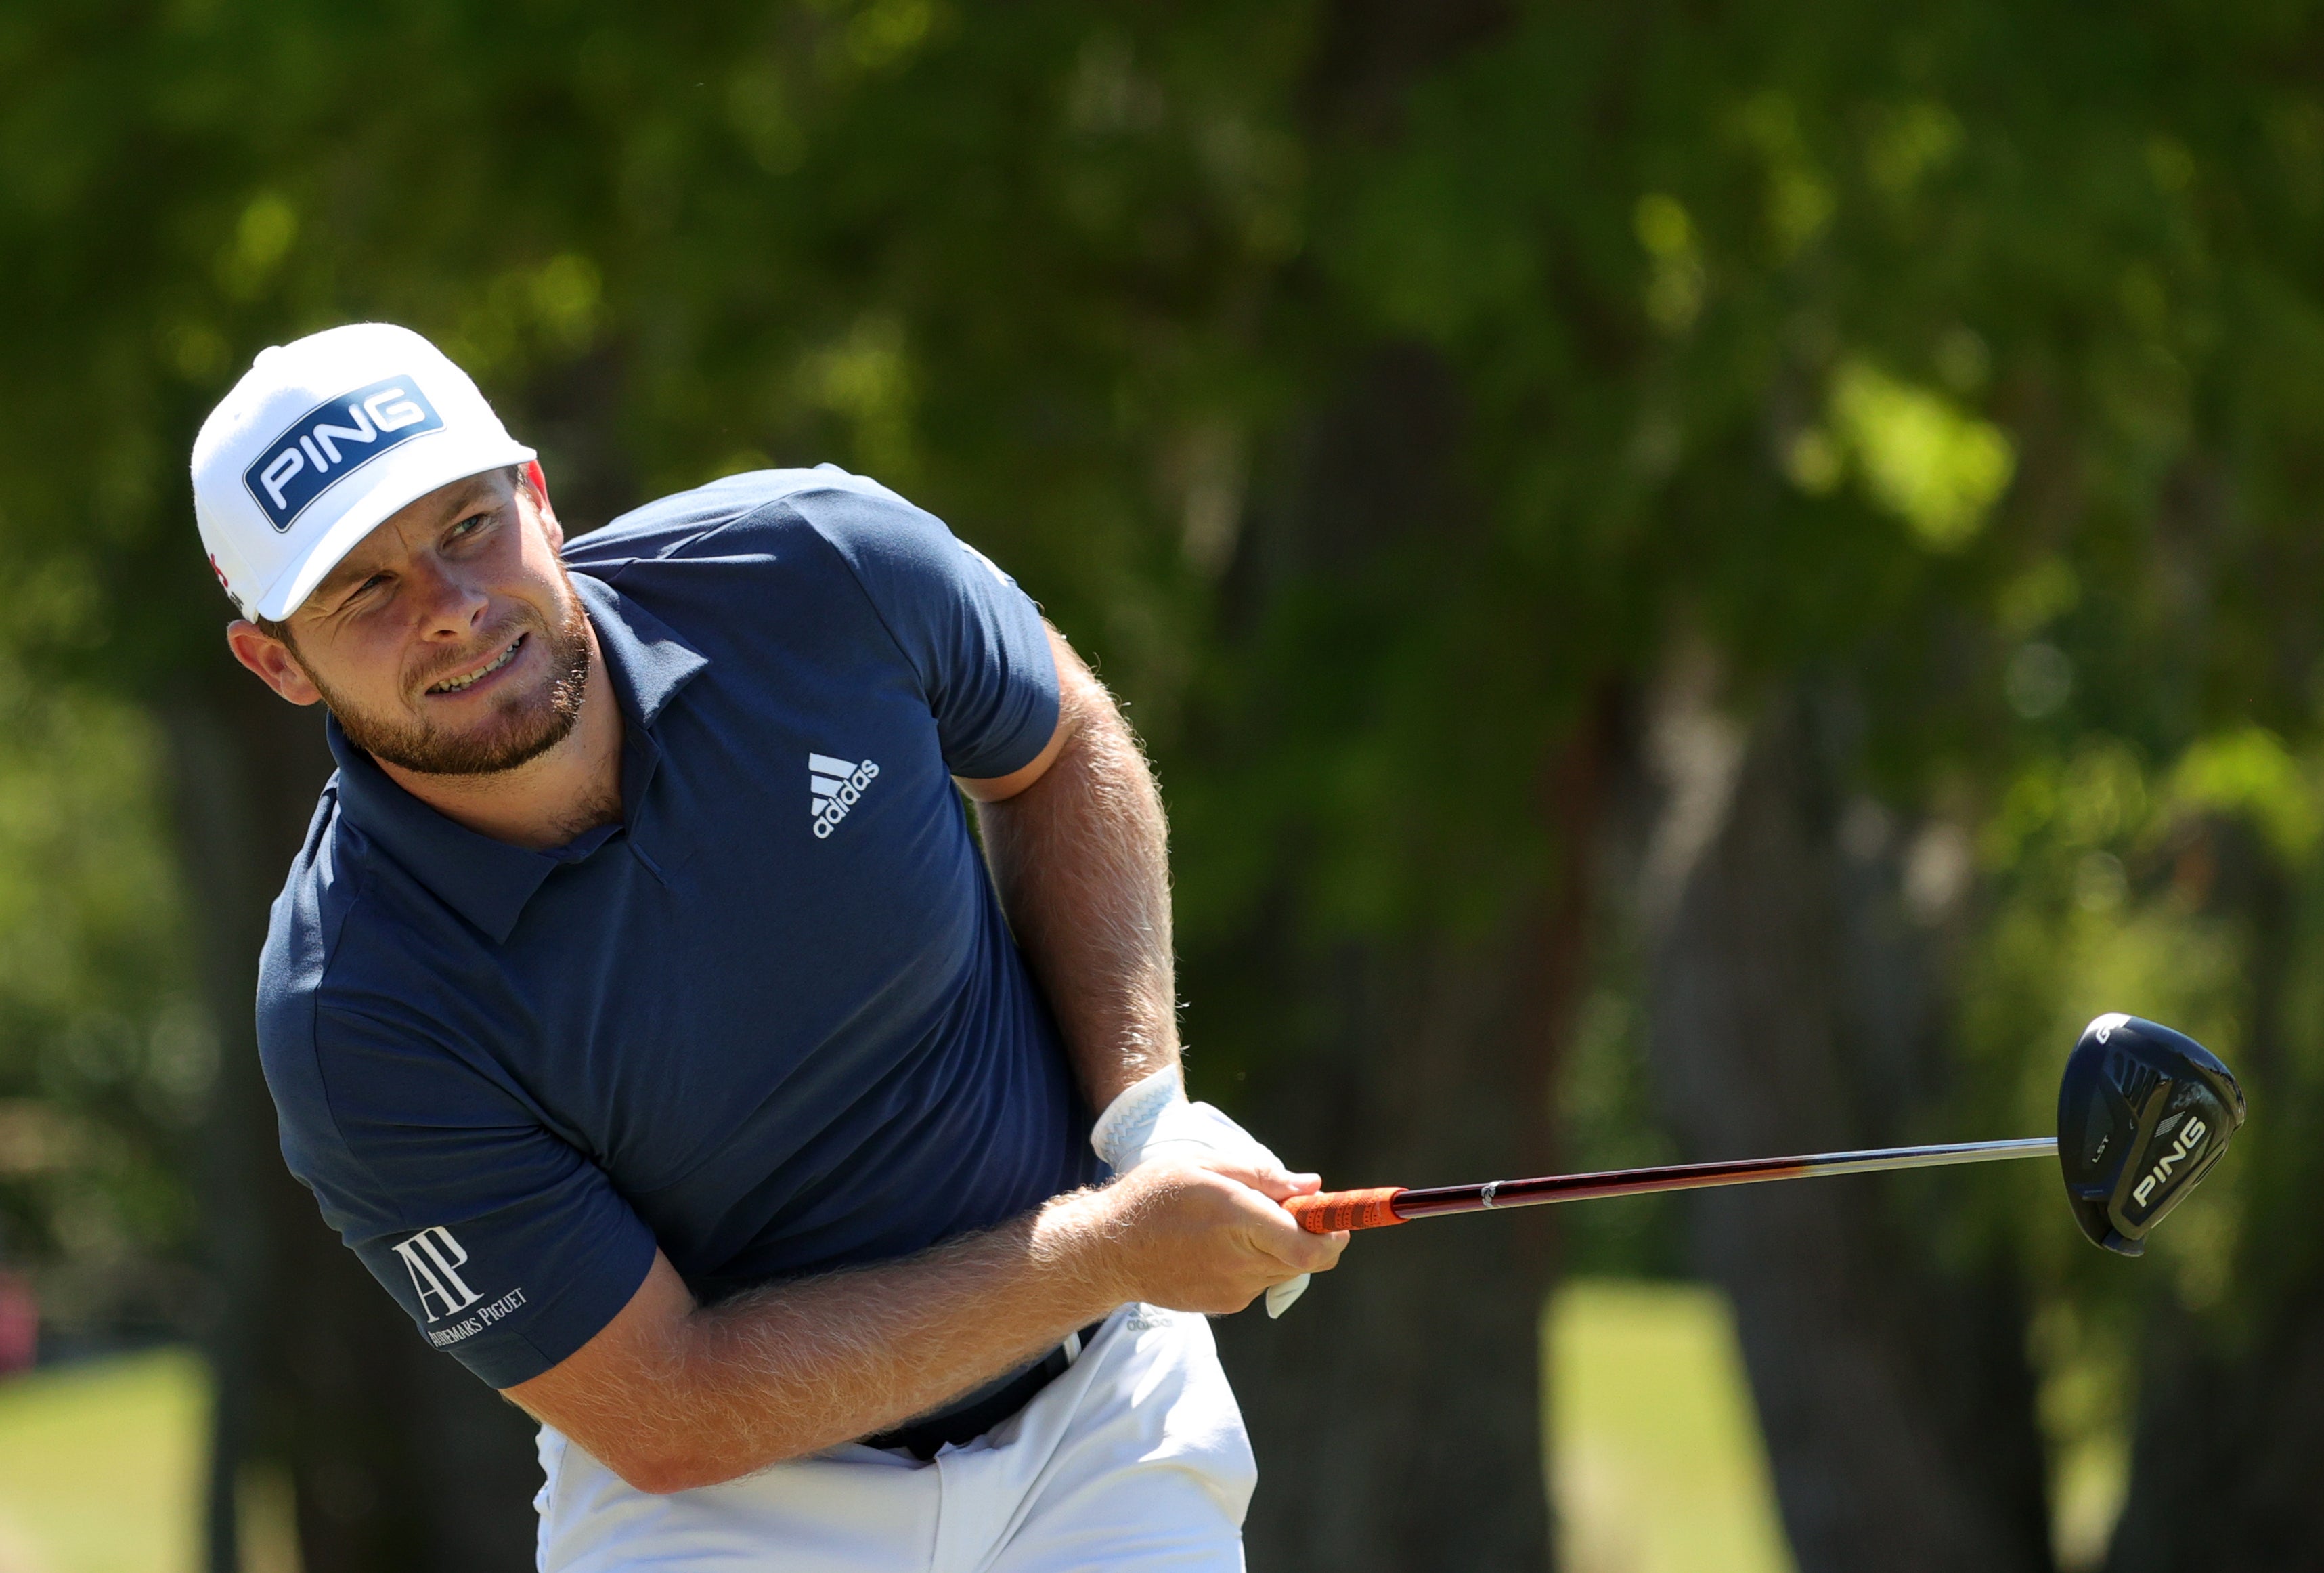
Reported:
(974, 1413)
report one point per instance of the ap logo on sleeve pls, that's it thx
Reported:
(434, 1259)
(335, 438)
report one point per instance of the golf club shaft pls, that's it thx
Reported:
(1376, 1208)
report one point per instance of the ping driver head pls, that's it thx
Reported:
(2143, 1115)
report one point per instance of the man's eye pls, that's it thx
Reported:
(470, 525)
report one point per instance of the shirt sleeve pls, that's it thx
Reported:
(975, 640)
(505, 1246)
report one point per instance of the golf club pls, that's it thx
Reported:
(2142, 1114)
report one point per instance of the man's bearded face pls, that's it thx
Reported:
(451, 642)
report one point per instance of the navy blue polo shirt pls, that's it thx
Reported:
(772, 1021)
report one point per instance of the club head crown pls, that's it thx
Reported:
(2143, 1115)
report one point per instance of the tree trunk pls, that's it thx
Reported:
(2227, 1464)
(400, 1458)
(1796, 1008)
(1396, 1411)
(2228, 1471)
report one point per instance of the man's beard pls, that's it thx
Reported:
(519, 731)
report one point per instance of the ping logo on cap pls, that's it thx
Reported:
(337, 436)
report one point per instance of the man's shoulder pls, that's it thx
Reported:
(302, 932)
(317, 894)
(345, 934)
(360, 994)
(746, 515)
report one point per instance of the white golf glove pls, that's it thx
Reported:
(1153, 1120)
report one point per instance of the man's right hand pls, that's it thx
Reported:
(1208, 1237)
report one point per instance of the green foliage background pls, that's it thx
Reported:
(1972, 353)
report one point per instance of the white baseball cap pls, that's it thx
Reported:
(319, 442)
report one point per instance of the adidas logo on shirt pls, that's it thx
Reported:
(837, 784)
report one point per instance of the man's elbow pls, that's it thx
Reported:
(666, 1474)
(670, 1479)
(668, 1469)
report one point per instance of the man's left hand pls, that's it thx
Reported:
(1152, 1120)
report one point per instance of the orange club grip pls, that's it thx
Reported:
(1346, 1209)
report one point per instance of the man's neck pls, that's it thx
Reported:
(547, 801)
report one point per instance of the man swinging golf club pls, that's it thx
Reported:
(750, 1151)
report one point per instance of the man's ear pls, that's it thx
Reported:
(547, 511)
(276, 666)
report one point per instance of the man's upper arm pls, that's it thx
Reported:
(975, 640)
(507, 1248)
(617, 1364)
(1074, 681)
(626, 1396)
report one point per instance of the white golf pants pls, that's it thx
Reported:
(1135, 1460)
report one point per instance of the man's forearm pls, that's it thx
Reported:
(671, 1395)
(1081, 860)
(706, 1394)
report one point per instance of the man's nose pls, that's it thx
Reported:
(446, 605)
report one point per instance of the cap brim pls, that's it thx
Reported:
(392, 491)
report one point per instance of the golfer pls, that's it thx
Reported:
(750, 1150)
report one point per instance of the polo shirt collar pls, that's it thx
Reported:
(487, 881)
(649, 660)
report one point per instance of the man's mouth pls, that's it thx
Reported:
(468, 679)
